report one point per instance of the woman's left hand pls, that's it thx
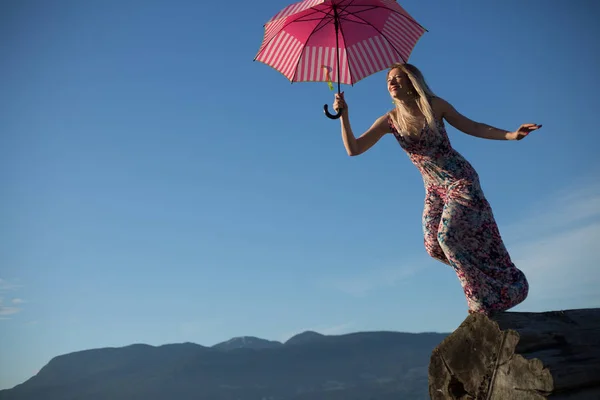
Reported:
(523, 131)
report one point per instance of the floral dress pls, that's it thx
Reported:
(459, 226)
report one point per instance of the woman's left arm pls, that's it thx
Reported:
(478, 129)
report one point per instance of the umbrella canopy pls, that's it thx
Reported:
(338, 40)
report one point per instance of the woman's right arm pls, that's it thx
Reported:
(355, 146)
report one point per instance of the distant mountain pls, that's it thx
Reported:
(309, 366)
(305, 337)
(247, 342)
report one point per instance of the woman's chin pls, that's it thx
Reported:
(400, 97)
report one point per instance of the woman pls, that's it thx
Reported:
(458, 223)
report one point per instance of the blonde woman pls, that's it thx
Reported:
(458, 223)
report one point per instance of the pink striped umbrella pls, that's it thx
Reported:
(338, 40)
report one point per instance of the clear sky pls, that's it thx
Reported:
(158, 186)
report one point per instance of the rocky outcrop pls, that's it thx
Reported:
(521, 356)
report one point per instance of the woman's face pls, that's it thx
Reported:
(398, 84)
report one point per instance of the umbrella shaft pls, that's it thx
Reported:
(336, 24)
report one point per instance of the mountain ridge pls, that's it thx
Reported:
(245, 367)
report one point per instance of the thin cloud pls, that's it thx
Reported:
(568, 208)
(563, 265)
(4, 311)
(555, 245)
(556, 248)
(360, 285)
(6, 286)
(10, 308)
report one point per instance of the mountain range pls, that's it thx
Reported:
(363, 365)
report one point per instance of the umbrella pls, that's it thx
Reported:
(340, 40)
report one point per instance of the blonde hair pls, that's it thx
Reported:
(404, 120)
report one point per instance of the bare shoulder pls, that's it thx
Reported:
(382, 124)
(445, 110)
(441, 107)
(389, 118)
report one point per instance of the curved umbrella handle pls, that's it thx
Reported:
(330, 115)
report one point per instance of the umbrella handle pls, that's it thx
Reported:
(329, 115)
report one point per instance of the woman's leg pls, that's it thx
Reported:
(471, 241)
(432, 215)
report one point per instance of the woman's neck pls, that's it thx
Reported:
(409, 104)
(411, 107)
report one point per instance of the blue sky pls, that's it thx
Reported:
(159, 186)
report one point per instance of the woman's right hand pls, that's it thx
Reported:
(340, 104)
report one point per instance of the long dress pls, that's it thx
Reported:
(458, 224)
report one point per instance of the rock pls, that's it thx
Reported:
(521, 356)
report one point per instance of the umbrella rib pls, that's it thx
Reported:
(344, 10)
(264, 46)
(297, 12)
(347, 58)
(378, 31)
(327, 19)
(310, 20)
(354, 22)
(341, 29)
(304, 48)
(373, 6)
(313, 12)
